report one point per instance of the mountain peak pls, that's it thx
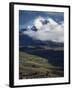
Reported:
(52, 21)
(38, 22)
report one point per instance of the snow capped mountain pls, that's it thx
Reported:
(38, 22)
(34, 28)
(52, 21)
(45, 29)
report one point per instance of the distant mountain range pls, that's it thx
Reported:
(25, 38)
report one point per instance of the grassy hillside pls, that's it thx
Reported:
(32, 66)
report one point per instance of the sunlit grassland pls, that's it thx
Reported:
(32, 66)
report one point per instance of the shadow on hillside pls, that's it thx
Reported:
(54, 57)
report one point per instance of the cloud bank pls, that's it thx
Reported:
(47, 30)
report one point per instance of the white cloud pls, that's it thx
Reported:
(50, 31)
(38, 23)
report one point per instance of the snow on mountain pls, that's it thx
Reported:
(46, 30)
(38, 23)
(52, 21)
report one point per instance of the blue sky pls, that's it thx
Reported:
(26, 17)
